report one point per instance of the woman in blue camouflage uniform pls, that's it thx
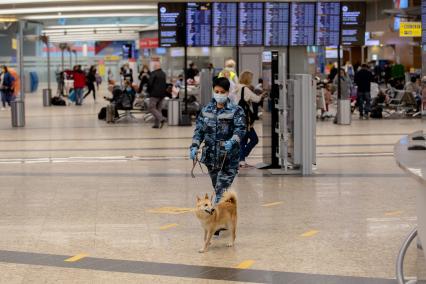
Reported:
(220, 125)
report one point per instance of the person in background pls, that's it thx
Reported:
(363, 79)
(259, 87)
(412, 86)
(350, 71)
(192, 71)
(221, 126)
(79, 83)
(144, 78)
(345, 88)
(6, 87)
(245, 96)
(345, 84)
(111, 80)
(157, 92)
(127, 73)
(230, 67)
(333, 72)
(180, 83)
(90, 82)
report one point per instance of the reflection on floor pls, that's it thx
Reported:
(73, 185)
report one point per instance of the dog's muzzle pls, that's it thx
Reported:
(209, 211)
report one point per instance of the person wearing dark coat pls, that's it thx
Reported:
(90, 82)
(157, 90)
(363, 79)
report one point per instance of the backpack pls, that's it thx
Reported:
(250, 116)
(58, 101)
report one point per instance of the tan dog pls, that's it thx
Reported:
(213, 218)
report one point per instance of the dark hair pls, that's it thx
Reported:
(364, 65)
(260, 80)
(222, 82)
(5, 68)
(413, 79)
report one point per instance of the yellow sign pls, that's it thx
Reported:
(14, 44)
(112, 58)
(410, 29)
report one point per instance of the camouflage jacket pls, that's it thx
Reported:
(215, 126)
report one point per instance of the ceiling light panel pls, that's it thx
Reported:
(60, 9)
(77, 16)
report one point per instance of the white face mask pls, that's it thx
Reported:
(220, 98)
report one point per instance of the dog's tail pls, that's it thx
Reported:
(229, 196)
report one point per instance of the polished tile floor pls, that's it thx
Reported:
(119, 197)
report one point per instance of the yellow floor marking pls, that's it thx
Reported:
(171, 210)
(272, 204)
(168, 226)
(310, 233)
(393, 213)
(245, 264)
(76, 257)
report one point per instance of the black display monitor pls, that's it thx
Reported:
(224, 28)
(250, 20)
(353, 23)
(302, 23)
(171, 24)
(276, 17)
(328, 24)
(198, 24)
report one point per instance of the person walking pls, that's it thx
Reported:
(157, 92)
(245, 98)
(221, 126)
(79, 84)
(6, 87)
(90, 81)
(345, 91)
(363, 79)
(144, 78)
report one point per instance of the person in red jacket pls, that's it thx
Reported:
(79, 83)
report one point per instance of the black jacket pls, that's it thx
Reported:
(363, 79)
(157, 84)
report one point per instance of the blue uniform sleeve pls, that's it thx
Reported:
(239, 125)
(199, 132)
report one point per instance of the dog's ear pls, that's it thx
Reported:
(207, 196)
(211, 198)
(198, 198)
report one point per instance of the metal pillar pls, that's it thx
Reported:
(18, 106)
(47, 93)
(186, 118)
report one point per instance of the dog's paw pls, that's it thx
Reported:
(230, 245)
(202, 250)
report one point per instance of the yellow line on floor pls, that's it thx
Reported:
(310, 233)
(245, 264)
(272, 204)
(168, 226)
(393, 213)
(76, 257)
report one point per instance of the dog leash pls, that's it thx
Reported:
(194, 163)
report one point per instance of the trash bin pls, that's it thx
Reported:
(18, 113)
(344, 111)
(173, 112)
(47, 97)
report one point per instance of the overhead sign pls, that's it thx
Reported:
(171, 24)
(353, 23)
(148, 42)
(410, 29)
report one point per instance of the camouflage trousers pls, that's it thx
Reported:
(221, 180)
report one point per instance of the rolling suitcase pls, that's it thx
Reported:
(110, 113)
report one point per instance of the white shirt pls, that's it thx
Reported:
(249, 96)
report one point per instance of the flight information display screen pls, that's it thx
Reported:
(198, 24)
(276, 17)
(224, 29)
(302, 23)
(353, 23)
(250, 24)
(328, 24)
(171, 24)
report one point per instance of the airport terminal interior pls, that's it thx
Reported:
(104, 106)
